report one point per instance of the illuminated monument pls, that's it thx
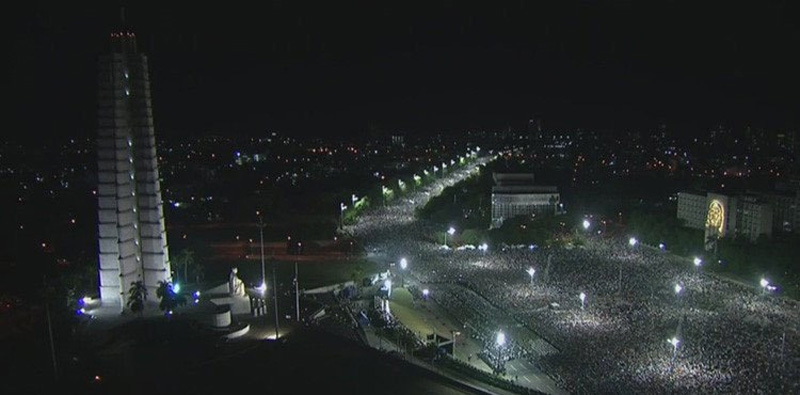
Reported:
(715, 223)
(132, 242)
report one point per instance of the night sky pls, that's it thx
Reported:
(334, 68)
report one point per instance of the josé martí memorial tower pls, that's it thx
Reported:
(131, 234)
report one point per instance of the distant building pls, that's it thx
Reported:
(692, 209)
(785, 215)
(399, 139)
(515, 194)
(721, 215)
(132, 241)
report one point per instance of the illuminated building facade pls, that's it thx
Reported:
(722, 215)
(132, 243)
(515, 194)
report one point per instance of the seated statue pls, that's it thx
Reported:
(235, 285)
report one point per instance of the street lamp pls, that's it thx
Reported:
(697, 261)
(674, 341)
(662, 247)
(500, 341)
(764, 285)
(483, 247)
(261, 238)
(531, 271)
(582, 296)
(403, 263)
(586, 224)
(678, 289)
(353, 198)
(388, 285)
(425, 293)
(632, 242)
(451, 232)
(342, 207)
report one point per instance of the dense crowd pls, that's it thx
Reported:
(733, 337)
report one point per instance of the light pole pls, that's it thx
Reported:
(582, 296)
(674, 341)
(697, 261)
(403, 267)
(388, 285)
(451, 232)
(500, 341)
(531, 271)
(263, 286)
(296, 292)
(455, 334)
(633, 242)
(764, 284)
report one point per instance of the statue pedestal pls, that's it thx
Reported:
(219, 296)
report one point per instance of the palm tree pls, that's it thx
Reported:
(185, 258)
(137, 295)
(169, 299)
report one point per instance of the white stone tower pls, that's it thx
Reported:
(131, 234)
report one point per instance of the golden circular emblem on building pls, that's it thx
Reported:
(716, 216)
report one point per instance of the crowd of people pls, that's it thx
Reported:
(731, 337)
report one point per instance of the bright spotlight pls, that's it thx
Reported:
(262, 288)
(425, 292)
(483, 247)
(176, 288)
(451, 231)
(678, 288)
(501, 338)
(697, 261)
(586, 224)
(632, 241)
(531, 271)
(582, 296)
(403, 263)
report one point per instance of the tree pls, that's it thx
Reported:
(186, 258)
(137, 295)
(169, 299)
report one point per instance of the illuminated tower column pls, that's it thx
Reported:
(132, 242)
